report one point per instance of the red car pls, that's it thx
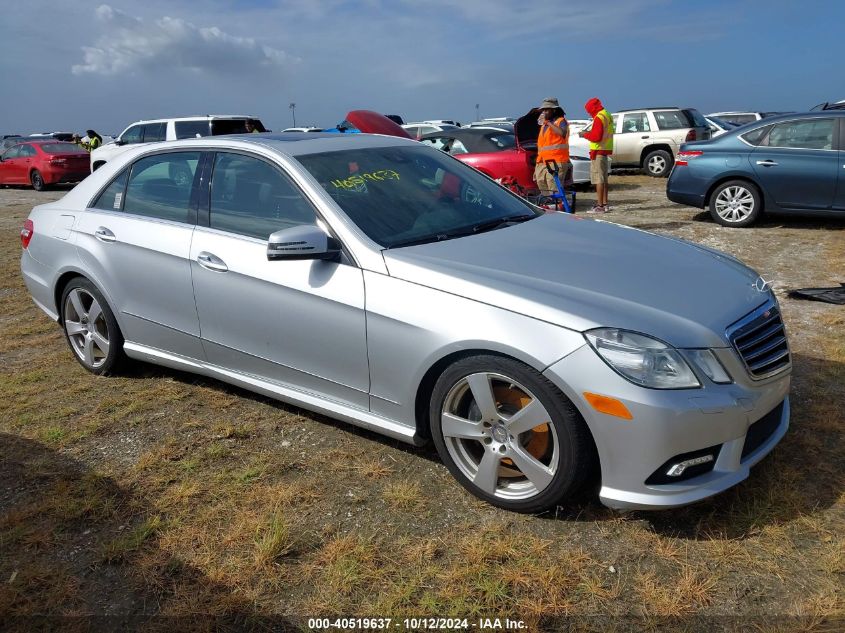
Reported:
(42, 163)
(492, 152)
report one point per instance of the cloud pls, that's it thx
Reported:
(129, 44)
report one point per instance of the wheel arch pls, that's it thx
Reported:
(65, 277)
(725, 178)
(651, 148)
(425, 387)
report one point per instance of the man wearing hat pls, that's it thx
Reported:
(552, 144)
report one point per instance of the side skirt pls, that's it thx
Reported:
(309, 401)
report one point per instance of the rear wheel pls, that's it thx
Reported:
(508, 435)
(90, 327)
(735, 203)
(37, 180)
(658, 163)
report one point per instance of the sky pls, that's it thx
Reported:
(70, 65)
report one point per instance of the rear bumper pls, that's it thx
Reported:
(54, 176)
(684, 189)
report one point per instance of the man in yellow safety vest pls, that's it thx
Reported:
(600, 135)
(552, 144)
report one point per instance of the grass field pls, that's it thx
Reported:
(167, 494)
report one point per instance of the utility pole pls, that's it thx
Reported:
(477, 115)
(292, 107)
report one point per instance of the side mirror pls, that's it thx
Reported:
(119, 142)
(302, 242)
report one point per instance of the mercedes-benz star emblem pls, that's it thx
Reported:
(761, 285)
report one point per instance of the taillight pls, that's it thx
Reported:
(26, 233)
(684, 157)
(691, 135)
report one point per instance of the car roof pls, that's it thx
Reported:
(650, 108)
(198, 117)
(295, 143)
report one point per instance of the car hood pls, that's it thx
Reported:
(582, 274)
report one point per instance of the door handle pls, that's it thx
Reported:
(767, 163)
(211, 262)
(104, 235)
(646, 136)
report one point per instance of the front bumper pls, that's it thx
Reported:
(669, 423)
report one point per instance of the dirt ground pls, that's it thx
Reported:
(158, 493)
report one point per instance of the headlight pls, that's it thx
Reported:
(710, 365)
(641, 359)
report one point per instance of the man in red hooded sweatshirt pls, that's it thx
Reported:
(600, 135)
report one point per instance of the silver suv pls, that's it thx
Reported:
(649, 138)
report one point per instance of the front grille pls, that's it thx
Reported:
(760, 340)
(761, 430)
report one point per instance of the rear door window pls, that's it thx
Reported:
(191, 129)
(154, 132)
(634, 122)
(233, 126)
(806, 134)
(160, 186)
(671, 120)
(111, 198)
(251, 197)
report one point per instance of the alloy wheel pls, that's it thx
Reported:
(734, 204)
(657, 164)
(86, 328)
(500, 436)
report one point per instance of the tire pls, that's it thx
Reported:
(489, 448)
(37, 180)
(658, 163)
(91, 331)
(736, 203)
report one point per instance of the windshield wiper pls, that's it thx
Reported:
(422, 240)
(469, 230)
(500, 222)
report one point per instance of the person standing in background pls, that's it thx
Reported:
(600, 135)
(552, 144)
(94, 140)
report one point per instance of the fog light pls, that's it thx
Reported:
(678, 469)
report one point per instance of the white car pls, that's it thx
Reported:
(718, 126)
(419, 129)
(303, 129)
(154, 130)
(741, 118)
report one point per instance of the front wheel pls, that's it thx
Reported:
(90, 327)
(658, 163)
(735, 203)
(508, 435)
(37, 180)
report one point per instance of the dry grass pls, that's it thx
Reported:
(171, 493)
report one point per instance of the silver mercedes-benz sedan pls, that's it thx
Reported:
(384, 283)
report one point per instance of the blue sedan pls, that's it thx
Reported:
(788, 164)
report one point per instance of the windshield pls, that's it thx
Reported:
(413, 194)
(62, 148)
